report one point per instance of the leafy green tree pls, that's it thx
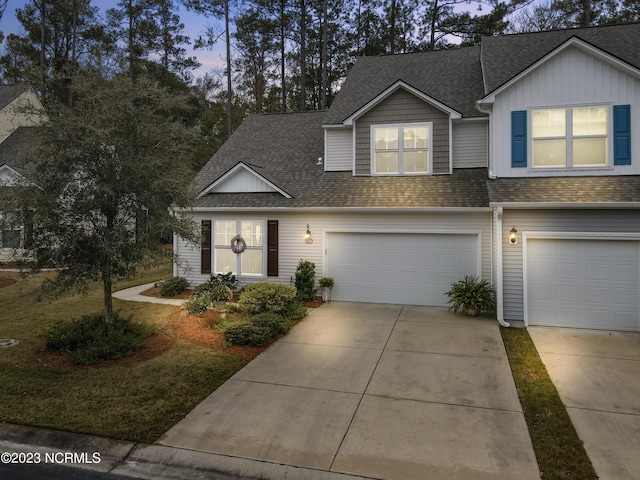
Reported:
(104, 174)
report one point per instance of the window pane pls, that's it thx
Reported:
(11, 239)
(386, 138)
(590, 121)
(252, 232)
(225, 260)
(549, 153)
(225, 230)
(251, 262)
(387, 162)
(548, 123)
(417, 137)
(416, 161)
(589, 151)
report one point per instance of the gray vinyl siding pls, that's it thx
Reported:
(403, 107)
(338, 153)
(292, 227)
(470, 144)
(582, 221)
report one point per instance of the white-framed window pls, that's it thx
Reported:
(11, 238)
(251, 262)
(401, 149)
(570, 137)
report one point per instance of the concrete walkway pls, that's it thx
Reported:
(379, 391)
(597, 374)
(133, 294)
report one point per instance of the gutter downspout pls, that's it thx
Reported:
(497, 222)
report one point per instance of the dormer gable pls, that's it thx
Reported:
(243, 178)
(8, 175)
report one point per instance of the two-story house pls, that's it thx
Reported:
(513, 160)
(20, 109)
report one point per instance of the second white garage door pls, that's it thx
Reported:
(583, 283)
(402, 268)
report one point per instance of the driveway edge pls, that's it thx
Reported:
(147, 461)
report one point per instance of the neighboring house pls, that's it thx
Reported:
(514, 160)
(19, 107)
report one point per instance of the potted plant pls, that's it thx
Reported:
(327, 284)
(472, 296)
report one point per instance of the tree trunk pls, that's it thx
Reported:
(283, 71)
(43, 74)
(108, 300)
(325, 56)
(229, 91)
(131, 41)
(303, 56)
(393, 27)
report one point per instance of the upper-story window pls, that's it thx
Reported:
(401, 149)
(570, 137)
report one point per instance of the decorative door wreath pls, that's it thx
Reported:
(238, 244)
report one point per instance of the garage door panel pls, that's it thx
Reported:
(583, 283)
(413, 269)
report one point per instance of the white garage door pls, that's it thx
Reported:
(402, 268)
(583, 283)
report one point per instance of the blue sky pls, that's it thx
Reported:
(194, 26)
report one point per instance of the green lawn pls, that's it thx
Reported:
(559, 450)
(135, 401)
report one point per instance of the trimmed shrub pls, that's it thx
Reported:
(277, 324)
(198, 303)
(264, 296)
(295, 311)
(221, 293)
(173, 286)
(90, 339)
(305, 280)
(247, 333)
(224, 279)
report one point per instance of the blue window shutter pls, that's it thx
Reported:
(622, 134)
(519, 138)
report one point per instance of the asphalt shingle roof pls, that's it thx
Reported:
(14, 148)
(565, 189)
(289, 145)
(453, 77)
(8, 93)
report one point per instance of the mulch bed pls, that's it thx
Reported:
(5, 282)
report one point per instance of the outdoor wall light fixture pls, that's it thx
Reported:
(307, 236)
(513, 236)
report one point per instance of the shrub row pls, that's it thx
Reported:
(90, 339)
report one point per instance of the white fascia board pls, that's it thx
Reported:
(453, 114)
(572, 42)
(229, 173)
(6, 169)
(340, 209)
(566, 205)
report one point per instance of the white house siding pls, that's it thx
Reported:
(243, 181)
(525, 221)
(292, 227)
(470, 143)
(18, 114)
(338, 150)
(573, 77)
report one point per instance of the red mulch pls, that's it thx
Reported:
(155, 345)
(5, 282)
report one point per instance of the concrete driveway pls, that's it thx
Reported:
(381, 391)
(597, 374)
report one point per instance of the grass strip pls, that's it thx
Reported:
(559, 450)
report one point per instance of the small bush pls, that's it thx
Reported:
(224, 279)
(277, 324)
(248, 333)
(198, 303)
(221, 293)
(305, 280)
(264, 296)
(90, 339)
(173, 286)
(295, 311)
